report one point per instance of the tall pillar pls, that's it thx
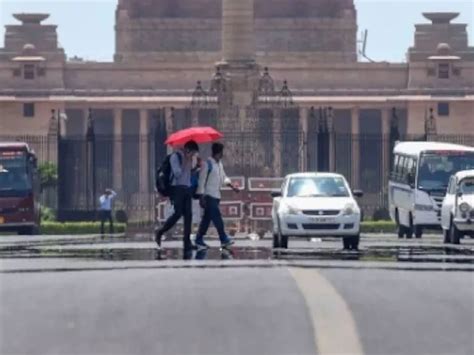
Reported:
(386, 117)
(144, 158)
(169, 116)
(118, 153)
(304, 114)
(238, 31)
(355, 147)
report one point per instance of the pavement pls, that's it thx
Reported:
(76, 296)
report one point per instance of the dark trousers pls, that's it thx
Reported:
(104, 216)
(181, 198)
(212, 213)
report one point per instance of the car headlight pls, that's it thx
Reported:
(349, 209)
(464, 207)
(286, 209)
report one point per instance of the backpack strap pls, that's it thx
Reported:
(180, 158)
(209, 170)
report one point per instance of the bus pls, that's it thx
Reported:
(19, 189)
(419, 180)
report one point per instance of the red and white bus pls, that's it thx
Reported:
(19, 189)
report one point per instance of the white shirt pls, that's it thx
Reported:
(211, 185)
(106, 201)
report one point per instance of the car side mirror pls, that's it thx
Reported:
(410, 179)
(459, 194)
(358, 193)
(276, 194)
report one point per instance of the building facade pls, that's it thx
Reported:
(280, 78)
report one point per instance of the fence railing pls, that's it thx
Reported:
(89, 165)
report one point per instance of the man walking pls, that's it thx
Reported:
(211, 180)
(181, 194)
(105, 210)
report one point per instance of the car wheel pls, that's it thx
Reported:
(354, 242)
(346, 243)
(418, 232)
(284, 241)
(276, 240)
(454, 234)
(446, 236)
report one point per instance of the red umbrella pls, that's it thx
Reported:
(197, 134)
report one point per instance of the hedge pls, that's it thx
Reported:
(75, 228)
(378, 227)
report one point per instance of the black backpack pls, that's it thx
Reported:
(164, 176)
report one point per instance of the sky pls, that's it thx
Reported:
(86, 27)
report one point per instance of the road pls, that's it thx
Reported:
(268, 306)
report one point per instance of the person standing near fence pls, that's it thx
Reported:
(212, 179)
(105, 210)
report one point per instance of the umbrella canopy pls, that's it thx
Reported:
(197, 134)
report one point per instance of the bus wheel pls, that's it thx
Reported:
(418, 232)
(409, 230)
(400, 228)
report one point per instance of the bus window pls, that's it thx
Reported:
(402, 169)
(436, 169)
(395, 165)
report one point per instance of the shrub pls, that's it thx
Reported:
(378, 227)
(47, 214)
(76, 228)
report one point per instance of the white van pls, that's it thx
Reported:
(419, 180)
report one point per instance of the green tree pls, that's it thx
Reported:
(48, 172)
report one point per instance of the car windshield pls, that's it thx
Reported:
(436, 169)
(467, 186)
(317, 187)
(14, 179)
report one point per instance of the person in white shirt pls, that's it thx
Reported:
(105, 210)
(212, 178)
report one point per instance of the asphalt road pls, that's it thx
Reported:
(271, 310)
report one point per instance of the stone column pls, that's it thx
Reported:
(238, 31)
(304, 114)
(355, 147)
(144, 156)
(118, 156)
(168, 111)
(386, 116)
(332, 140)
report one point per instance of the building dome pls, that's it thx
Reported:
(443, 49)
(28, 49)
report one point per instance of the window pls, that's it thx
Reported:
(395, 166)
(443, 71)
(443, 109)
(29, 110)
(29, 71)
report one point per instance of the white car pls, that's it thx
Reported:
(314, 205)
(457, 212)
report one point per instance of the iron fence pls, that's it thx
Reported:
(87, 165)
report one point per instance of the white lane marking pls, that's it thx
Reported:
(334, 327)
